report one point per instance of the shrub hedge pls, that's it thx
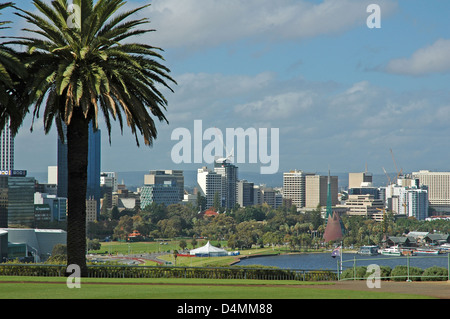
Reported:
(399, 273)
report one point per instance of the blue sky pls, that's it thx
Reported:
(341, 94)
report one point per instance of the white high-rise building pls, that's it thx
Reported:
(294, 187)
(7, 149)
(52, 175)
(438, 184)
(209, 183)
(408, 199)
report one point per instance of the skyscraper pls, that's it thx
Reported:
(321, 190)
(93, 191)
(7, 149)
(209, 183)
(245, 193)
(294, 187)
(438, 188)
(229, 174)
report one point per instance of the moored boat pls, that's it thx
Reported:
(420, 251)
(391, 251)
(368, 250)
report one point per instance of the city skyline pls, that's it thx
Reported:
(341, 94)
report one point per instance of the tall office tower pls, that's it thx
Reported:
(438, 188)
(229, 174)
(417, 200)
(245, 193)
(93, 190)
(209, 183)
(294, 187)
(316, 191)
(7, 149)
(160, 177)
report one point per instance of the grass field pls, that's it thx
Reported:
(123, 248)
(186, 289)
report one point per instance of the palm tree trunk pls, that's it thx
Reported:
(77, 161)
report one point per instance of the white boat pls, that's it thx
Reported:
(427, 251)
(368, 250)
(391, 251)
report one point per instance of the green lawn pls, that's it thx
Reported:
(123, 248)
(24, 288)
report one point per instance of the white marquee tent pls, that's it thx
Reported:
(209, 250)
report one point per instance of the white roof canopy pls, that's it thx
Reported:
(208, 249)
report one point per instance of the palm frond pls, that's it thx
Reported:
(88, 67)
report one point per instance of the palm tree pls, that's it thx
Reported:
(81, 66)
(12, 75)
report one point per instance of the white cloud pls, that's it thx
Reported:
(431, 59)
(315, 120)
(205, 23)
(279, 106)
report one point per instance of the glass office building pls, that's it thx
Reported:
(166, 193)
(17, 201)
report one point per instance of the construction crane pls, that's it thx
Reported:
(395, 164)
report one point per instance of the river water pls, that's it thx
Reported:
(324, 261)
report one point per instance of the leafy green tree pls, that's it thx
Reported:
(123, 228)
(217, 202)
(182, 244)
(201, 202)
(155, 212)
(219, 227)
(94, 244)
(315, 217)
(82, 64)
(194, 242)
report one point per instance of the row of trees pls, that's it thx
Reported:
(254, 225)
